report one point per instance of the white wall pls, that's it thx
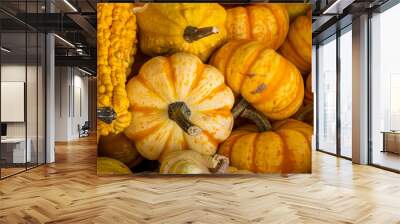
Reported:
(70, 84)
(33, 127)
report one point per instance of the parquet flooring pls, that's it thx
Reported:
(70, 192)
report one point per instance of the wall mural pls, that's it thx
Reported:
(204, 88)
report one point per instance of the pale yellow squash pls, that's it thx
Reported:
(164, 88)
(192, 162)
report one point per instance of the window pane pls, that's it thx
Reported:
(327, 96)
(385, 89)
(346, 94)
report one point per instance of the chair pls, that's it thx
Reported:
(84, 130)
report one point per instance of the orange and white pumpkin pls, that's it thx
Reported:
(178, 103)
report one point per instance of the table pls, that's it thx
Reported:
(13, 150)
(391, 141)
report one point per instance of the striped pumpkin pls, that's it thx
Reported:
(178, 103)
(297, 47)
(268, 23)
(264, 78)
(286, 148)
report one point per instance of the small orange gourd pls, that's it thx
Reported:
(268, 23)
(264, 78)
(308, 94)
(298, 44)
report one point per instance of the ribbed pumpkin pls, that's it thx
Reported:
(297, 47)
(264, 78)
(308, 95)
(268, 23)
(178, 103)
(234, 170)
(192, 162)
(294, 124)
(197, 28)
(286, 148)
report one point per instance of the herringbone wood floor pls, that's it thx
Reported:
(70, 192)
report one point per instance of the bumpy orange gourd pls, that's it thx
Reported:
(178, 103)
(298, 44)
(264, 78)
(197, 28)
(116, 46)
(268, 23)
(308, 95)
(284, 149)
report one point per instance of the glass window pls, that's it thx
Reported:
(22, 91)
(346, 93)
(385, 89)
(327, 96)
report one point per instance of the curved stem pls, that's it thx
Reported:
(306, 112)
(239, 107)
(191, 34)
(106, 114)
(259, 119)
(180, 113)
(219, 164)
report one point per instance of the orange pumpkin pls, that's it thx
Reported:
(298, 44)
(282, 148)
(268, 81)
(308, 95)
(294, 124)
(268, 23)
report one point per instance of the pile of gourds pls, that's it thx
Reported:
(211, 89)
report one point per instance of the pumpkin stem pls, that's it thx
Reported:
(180, 113)
(240, 107)
(245, 110)
(305, 113)
(192, 34)
(106, 114)
(260, 120)
(219, 164)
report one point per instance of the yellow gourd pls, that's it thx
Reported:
(268, 23)
(116, 46)
(263, 77)
(109, 166)
(178, 103)
(197, 28)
